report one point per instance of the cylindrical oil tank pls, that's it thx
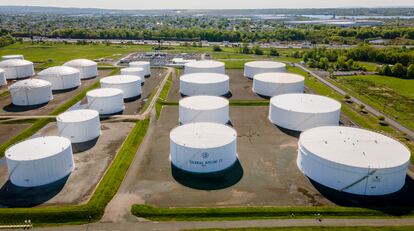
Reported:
(7, 57)
(353, 160)
(30, 92)
(88, 68)
(61, 77)
(17, 68)
(129, 84)
(258, 67)
(203, 147)
(3, 80)
(142, 64)
(204, 84)
(79, 125)
(278, 83)
(137, 71)
(39, 161)
(204, 108)
(204, 66)
(106, 100)
(300, 112)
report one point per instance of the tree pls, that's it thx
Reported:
(257, 50)
(323, 63)
(410, 71)
(244, 49)
(341, 63)
(273, 52)
(217, 48)
(398, 70)
(386, 70)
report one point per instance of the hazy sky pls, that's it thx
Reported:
(210, 4)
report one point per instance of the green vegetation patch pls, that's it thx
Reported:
(240, 213)
(163, 95)
(391, 95)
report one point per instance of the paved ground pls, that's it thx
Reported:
(265, 153)
(77, 188)
(240, 87)
(10, 130)
(7, 108)
(182, 225)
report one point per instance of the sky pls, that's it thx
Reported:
(210, 4)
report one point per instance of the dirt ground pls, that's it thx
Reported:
(265, 175)
(10, 130)
(240, 87)
(90, 166)
(7, 108)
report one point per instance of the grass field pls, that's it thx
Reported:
(393, 96)
(58, 53)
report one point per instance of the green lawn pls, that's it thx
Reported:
(368, 65)
(53, 54)
(393, 96)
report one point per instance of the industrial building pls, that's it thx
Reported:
(17, 68)
(258, 67)
(204, 66)
(204, 84)
(106, 100)
(277, 83)
(144, 65)
(88, 68)
(31, 92)
(3, 80)
(61, 77)
(212, 109)
(7, 57)
(137, 71)
(299, 112)
(203, 147)
(130, 85)
(79, 125)
(353, 160)
(39, 161)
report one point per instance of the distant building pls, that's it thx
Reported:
(338, 22)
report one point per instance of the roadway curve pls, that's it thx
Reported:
(368, 108)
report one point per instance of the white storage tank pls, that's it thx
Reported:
(129, 84)
(258, 67)
(79, 125)
(353, 160)
(203, 108)
(137, 71)
(61, 77)
(31, 92)
(88, 68)
(39, 161)
(204, 66)
(274, 83)
(300, 112)
(17, 68)
(7, 57)
(105, 100)
(144, 65)
(204, 84)
(3, 80)
(203, 147)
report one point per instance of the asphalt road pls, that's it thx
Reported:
(368, 108)
(184, 225)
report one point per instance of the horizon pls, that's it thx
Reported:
(211, 5)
